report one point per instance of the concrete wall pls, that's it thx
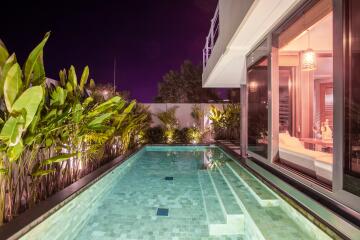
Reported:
(183, 112)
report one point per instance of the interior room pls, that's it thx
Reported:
(306, 95)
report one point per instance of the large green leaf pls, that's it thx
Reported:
(12, 85)
(77, 113)
(100, 119)
(73, 77)
(126, 111)
(105, 106)
(33, 59)
(14, 152)
(59, 158)
(87, 101)
(84, 78)
(92, 83)
(62, 77)
(34, 123)
(58, 96)
(4, 54)
(38, 76)
(30, 101)
(40, 173)
(12, 130)
(5, 68)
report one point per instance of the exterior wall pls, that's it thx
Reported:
(337, 192)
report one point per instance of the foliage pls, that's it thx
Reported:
(226, 122)
(185, 86)
(51, 137)
(170, 123)
(194, 135)
(155, 135)
(197, 114)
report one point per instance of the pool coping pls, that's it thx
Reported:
(293, 196)
(44, 209)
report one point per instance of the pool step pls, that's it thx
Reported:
(239, 192)
(219, 222)
(263, 195)
(231, 209)
(213, 208)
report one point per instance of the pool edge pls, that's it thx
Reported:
(311, 215)
(44, 209)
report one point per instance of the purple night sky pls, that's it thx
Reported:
(147, 37)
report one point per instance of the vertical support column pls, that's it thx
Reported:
(339, 89)
(273, 106)
(244, 119)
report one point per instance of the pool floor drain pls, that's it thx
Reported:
(162, 212)
(169, 178)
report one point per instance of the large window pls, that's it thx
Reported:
(305, 77)
(258, 107)
(352, 100)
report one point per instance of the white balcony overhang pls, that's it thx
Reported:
(227, 68)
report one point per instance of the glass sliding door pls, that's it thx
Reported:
(305, 75)
(351, 179)
(257, 85)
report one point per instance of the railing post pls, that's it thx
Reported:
(210, 39)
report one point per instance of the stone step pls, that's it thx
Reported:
(234, 214)
(213, 208)
(260, 192)
(222, 219)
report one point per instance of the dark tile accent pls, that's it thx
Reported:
(169, 178)
(162, 212)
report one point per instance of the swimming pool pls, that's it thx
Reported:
(166, 193)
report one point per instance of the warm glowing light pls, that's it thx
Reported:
(309, 60)
(105, 92)
(253, 86)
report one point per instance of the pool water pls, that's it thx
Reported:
(166, 193)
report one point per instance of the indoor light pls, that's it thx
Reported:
(253, 86)
(309, 60)
(308, 57)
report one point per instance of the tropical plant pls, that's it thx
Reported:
(170, 123)
(226, 122)
(194, 135)
(197, 114)
(155, 135)
(50, 137)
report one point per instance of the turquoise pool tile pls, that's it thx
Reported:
(123, 205)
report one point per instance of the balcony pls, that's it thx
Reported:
(237, 26)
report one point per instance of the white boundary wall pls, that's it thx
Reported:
(183, 112)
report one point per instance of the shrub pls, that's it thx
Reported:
(226, 122)
(155, 135)
(194, 135)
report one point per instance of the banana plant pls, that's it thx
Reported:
(50, 137)
(21, 92)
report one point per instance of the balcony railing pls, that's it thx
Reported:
(211, 37)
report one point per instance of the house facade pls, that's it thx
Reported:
(295, 62)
